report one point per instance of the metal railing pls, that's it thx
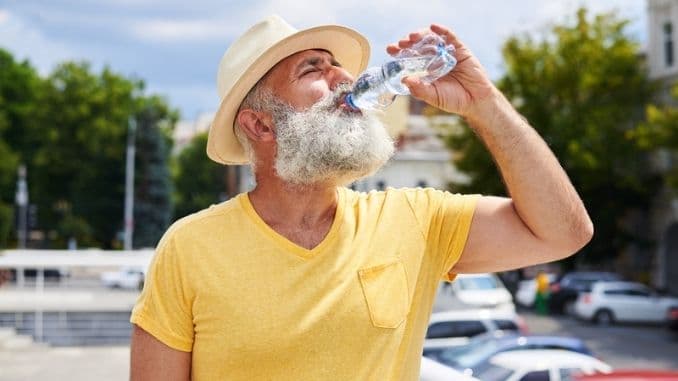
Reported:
(73, 308)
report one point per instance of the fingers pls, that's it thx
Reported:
(419, 89)
(447, 34)
(415, 37)
(404, 43)
(412, 39)
(392, 49)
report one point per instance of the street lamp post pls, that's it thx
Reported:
(21, 200)
(129, 184)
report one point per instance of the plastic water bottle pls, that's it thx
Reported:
(377, 87)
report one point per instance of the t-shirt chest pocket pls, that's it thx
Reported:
(386, 293)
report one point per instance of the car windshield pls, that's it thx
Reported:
(470, 355)
(477, 283)
(492, 372)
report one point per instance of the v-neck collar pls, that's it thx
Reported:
(285, 243)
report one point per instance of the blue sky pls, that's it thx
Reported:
(175, 46)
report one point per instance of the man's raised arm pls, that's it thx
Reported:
(544, 220)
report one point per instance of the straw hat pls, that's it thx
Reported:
(251, 56)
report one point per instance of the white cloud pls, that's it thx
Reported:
(164, 30)
(4, 16)
(27, 41)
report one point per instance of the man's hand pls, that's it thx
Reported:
(459, 91)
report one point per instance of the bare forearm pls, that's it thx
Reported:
(542, 194)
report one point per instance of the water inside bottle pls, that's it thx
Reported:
(378, 86)
(395, 71)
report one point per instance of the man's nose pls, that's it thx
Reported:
(337, 76)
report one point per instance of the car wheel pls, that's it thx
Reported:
(604, 318)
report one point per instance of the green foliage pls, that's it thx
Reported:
(660, 132)
(6, 223)
(75, 227)
(70, 129)
(21, 91)
(153, 188)
(198, 182)
(582, 87)
(81, 159)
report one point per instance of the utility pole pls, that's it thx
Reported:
(129, 183)
(21, 200)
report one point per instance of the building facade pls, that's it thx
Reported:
(662, 60)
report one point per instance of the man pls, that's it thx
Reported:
(303, 279)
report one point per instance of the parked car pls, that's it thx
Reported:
(610, 302)
(454, 328)
(434, 371)
(527, 291)
(672, 318)
(481, 291)
(480, 348)
(127, 277)
(563, 293)
(631, 375)
(539, 365)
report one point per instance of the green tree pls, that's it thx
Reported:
(80, 163)
(21, 91)
(81, 176)
(660, 132)
(6, 214)
(153, 187)
(70, 129)
(582, 86)
(198, 181)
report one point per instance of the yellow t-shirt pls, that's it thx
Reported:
(251, 305)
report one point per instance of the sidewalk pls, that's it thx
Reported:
(66, 363)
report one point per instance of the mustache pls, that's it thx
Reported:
(332, 101)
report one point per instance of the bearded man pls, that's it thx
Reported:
(304, 279)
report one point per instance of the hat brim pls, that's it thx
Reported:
(349, 48)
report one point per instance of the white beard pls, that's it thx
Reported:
(326, 143)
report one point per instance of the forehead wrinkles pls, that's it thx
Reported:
(287, 67)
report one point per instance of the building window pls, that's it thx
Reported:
(668, 44)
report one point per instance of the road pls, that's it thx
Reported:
(622, 346)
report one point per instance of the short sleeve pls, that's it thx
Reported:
(164, 306)
(445, 219)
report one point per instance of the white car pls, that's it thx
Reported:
(610, 302)
(127, 277)
(434, 371)
(539, 365)
(453, 328)
(481, 291)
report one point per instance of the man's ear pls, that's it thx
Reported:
(257, 125)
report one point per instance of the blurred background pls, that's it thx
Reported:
(104, 111)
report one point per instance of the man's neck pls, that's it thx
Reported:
(283, 206)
